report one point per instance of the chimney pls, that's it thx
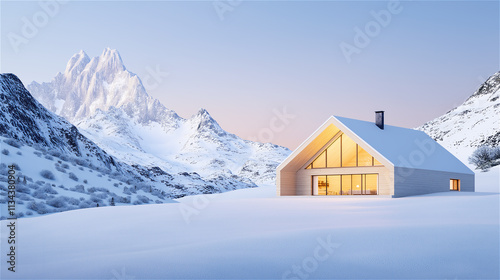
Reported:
(379, 119)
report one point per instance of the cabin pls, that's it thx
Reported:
(352, 157)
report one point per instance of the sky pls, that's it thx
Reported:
(271, 71)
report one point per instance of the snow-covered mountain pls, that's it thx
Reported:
(474, 123)
(88, 85)
(110, 106)
(197, 145)
(59, 169)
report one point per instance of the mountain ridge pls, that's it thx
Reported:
(474, 123)
(136, 128)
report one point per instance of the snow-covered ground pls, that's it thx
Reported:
(488, 181)
(251, 233)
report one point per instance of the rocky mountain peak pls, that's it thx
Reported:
(491, 86)
(206, 124)
(98, 83)
(110, 61)
(471, 124)
(76, 64)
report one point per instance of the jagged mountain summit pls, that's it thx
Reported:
(88, 85)
(474, 123)
(110, 106)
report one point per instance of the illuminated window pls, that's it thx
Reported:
(334, 185)
(343, 152)
(333, 154)
(348, 151)
(320, 162)
(370, 183)
(454, 185)
(322, 185)
(364, 158)
(356, 184)
(346, 184)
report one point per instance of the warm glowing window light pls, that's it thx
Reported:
(343, 152)
(349, 184)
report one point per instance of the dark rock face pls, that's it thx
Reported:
(491, 85)
(26, 120)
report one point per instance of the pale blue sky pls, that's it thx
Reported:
(267, 55)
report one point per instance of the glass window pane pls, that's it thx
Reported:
(346, 184)
(376, 162)
(309, 166)
(363, 184)
(356, 184)
(333, 154)
(322, 185)
(364, 158)
(320, 162)
(348, 151)
(333, 185)
(371, 183)
(315, 185)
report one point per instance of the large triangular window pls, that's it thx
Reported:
(343, 152)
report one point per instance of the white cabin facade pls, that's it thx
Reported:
(352, 157)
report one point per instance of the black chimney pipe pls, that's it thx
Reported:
(379, 119)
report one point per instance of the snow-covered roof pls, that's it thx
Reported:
(392, 146)
(405, 147)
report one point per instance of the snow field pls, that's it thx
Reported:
(251, 234)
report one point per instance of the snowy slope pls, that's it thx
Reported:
(439, 236)
(111, 107)
(474, 123)
(72, 186)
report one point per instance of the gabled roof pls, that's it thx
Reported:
(397, 146)
(405, 147)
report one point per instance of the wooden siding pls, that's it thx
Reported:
(420, 181)
(285, 183)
